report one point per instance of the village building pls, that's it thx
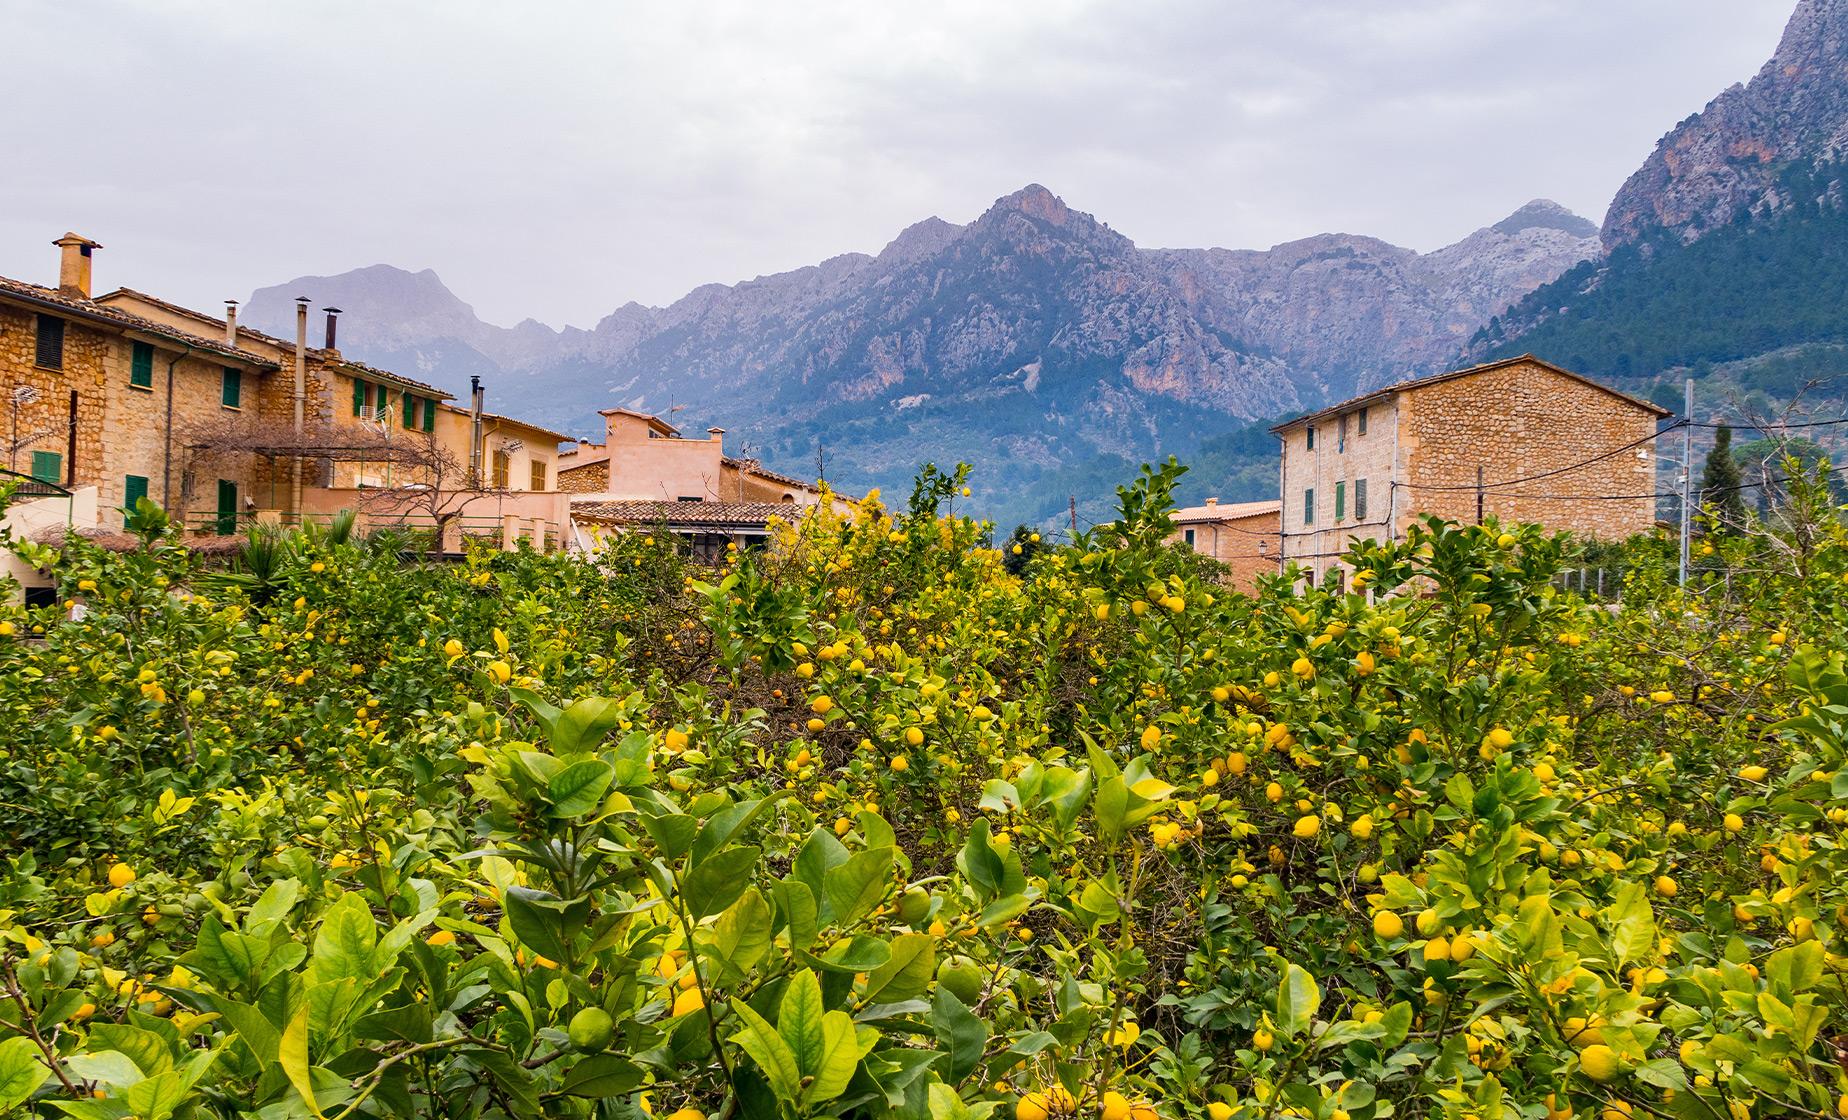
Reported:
(1517, 440)
(114, 397)
(646, 475)
(1242, 536)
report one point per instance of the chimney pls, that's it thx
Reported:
(1211, 502)
(333, 315)
(230, 322)
(476, 395)
(716, 435)
(74, 265)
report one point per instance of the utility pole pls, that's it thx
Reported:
(1687, 475)
(1479, 494)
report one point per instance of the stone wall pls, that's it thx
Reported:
(589, 478)
(44, 423)
(1519, 421)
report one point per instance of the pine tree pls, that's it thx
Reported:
(1720, 482)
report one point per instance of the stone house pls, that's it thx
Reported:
(1243, 536)
(1518, 440)
(95, 396)
(131, 395)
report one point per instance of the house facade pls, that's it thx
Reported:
(1243, 536)
(124, 395)
(647, 476)
(1518, 440)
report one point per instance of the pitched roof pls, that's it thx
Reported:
(361, 369)
(499, 419)
(752, 466)
(1233, 512)
(89, 310)
(648, 416)
(319, 353)
(1416, 383)
(685, 515)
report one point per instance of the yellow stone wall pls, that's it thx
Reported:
(44, 423)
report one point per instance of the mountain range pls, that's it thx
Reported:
(1053, 353)
(1034, 340)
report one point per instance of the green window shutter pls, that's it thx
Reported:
(232, 388)
(227, 507)
(48, 347)
(134, 488)
(429, 416)
(410, 412)
(1340, 501)
(1309, 442)
(141, 366)
(48, 466)
(359, 397)
(1360, 499)
(1309, 506)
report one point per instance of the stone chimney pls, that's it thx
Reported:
(1211, 502)
(716, 435)
(230, 322)
(74, 265)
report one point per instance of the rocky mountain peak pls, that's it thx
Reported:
(920, 240)
(1725, 160)
(1034, 201)
(1544, 213)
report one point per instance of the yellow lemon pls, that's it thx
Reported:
(1599, 1062)
(1388, 925)
(121, 875)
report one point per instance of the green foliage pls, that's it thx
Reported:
(871, 824)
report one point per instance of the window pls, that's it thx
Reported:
(1360, 429)
(1309, 441)
(1340, 501)
(1309, 506)
(1189, 534)
(48, 466)
(429, 419)
(1341, 436)
(50, 343)
(231, 388)
(1360, 499)
(227, 508)
(502, 462)
(538, 474)
(410, 412)
(134, 488)
(684, 498)
(141, 366)
(362, 397)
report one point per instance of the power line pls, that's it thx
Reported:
(1611, 454)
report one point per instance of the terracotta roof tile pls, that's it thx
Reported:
(1223, 512)
(94, 312)
(676, 515)
(1416, 383)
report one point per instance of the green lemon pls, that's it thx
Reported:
(592, 1029)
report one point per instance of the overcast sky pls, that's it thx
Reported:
(556, 160)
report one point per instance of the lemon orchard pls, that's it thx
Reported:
(884, 822)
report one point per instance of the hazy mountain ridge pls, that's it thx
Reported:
(1031, 337)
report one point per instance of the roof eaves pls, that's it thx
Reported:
(1416, 383)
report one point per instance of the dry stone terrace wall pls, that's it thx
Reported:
(1517, 422)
